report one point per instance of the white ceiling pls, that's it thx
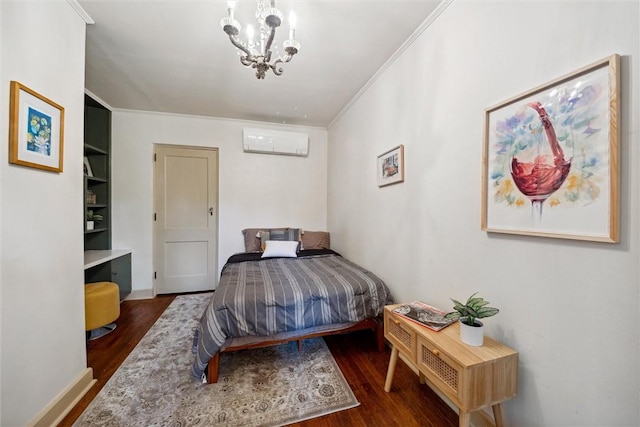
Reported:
(172, 56)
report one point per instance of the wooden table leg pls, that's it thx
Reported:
(464, 418)
(392, 369)
(498, 415)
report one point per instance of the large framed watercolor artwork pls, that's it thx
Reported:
(36, 130)
(551, 158)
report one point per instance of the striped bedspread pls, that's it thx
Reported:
(262, 297)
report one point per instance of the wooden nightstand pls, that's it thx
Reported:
(472, 377)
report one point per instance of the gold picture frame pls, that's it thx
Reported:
(36, 130)
(390, 166)
(555, 148)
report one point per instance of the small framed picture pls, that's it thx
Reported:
(87, 167)
(391, 166)
(36, 130)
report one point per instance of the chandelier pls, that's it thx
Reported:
(258, 54)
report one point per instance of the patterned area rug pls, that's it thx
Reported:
(272, 386)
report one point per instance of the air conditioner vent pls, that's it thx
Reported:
(267, 141)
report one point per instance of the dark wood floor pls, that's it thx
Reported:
(408, 404)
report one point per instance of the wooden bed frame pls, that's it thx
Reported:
(374, 324)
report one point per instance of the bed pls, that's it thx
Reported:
(268, 297)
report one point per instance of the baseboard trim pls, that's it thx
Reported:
(53, 413)
(141, 294)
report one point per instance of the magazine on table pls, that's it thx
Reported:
(424, 314)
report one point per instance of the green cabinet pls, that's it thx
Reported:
(109, 266)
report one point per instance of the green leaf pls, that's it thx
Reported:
(476, 303)
(472, 312)
(471, 298)
(483, 303)
(486, 312)
(456, 302)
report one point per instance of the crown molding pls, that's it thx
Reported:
(80, 11)
(412, 38)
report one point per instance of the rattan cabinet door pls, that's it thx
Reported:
(440, 369)
(400, 335)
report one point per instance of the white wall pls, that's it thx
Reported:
(570, 308)
(256, 190)
(3, 131)
(41, 268)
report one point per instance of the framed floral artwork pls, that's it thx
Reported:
(551, 159)
(36, 130)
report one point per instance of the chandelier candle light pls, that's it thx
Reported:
(258, 54)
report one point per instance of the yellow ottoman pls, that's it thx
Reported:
(101, 308)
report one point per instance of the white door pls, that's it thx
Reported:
(186, 219)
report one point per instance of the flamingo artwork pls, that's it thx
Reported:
(543, 176)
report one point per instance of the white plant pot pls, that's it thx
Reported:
(89, 225)
(472, 335)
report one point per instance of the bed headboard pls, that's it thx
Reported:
(310, 239)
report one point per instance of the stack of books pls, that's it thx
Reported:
(424, 314)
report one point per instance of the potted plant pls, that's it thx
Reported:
(91, 218)
(471, 329)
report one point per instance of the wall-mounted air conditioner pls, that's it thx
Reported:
(269, 141)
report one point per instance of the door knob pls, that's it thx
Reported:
(211, 211)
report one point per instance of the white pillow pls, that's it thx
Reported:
(281, 248)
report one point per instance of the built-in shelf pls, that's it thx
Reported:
(90, 149)
(101, 263)
(96, 179)
(96, 230)
(97, 188)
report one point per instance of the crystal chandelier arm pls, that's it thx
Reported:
(246, 61)
(277, 71)
(287, 58)
(237, 44)
(267, 49)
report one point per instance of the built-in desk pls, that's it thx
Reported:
(112, 265)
